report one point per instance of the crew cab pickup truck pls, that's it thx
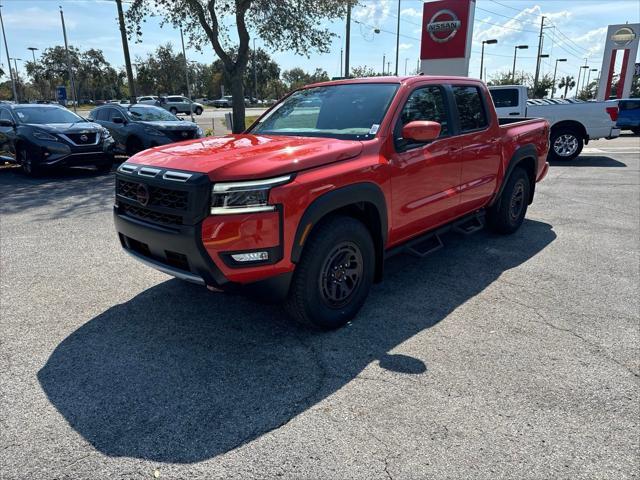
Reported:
(306, 204)
(572, 124)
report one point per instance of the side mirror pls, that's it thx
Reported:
(421, 131)
(5, 122)
(117, 120)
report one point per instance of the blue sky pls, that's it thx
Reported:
(579, 32)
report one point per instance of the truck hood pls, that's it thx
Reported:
(245, 156)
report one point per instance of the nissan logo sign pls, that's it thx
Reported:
(142, 194)
(443, 26)
(623, 36)
(84, 137)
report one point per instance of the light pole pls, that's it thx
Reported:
(347, 40)
(70, 69)
(186, 75)
(488, 42)
(384, 62)
(405, 65)
(515, 54)
(398, 39)
(33, 51)
(555, 71)
(15, 73)
(578, 82)
(13, 81)
(255, 75)
(589, 77)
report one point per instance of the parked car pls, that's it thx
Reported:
(572, 126)
(179, 104)
(629, 115)
(223, 102)
(149, 99)
(138, 127)
(39, 137)
(306, 204)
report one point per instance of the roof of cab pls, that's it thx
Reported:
(404, 80)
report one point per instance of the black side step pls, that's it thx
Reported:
(431, 241)
(425, 246)
(469, 225)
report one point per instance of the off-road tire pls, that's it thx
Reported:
(339, 248)
(508, 213)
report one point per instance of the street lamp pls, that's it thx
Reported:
(33, 51)
(578, 82)
(515, 53)
(553, 88)
(488, 42)
(589, 77)
(17, 78)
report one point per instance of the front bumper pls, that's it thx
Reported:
(60, 154)
(184, 241)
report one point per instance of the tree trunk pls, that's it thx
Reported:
(237, 92)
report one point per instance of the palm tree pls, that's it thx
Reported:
(566, 83)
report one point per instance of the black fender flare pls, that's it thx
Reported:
(358, 193)
(521, 154)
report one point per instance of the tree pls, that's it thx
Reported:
(364, 71)
(296, 77)
(635, 87)
(542, 89)
(505, 78)
(285, 25)
(567, 83)
(589, 91)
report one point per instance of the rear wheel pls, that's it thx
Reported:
(566, 144)
(27, 164)
(508, 213)
(334, 275)
(198, 111)
(174, 110)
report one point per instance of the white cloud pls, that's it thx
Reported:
(406, 46)
(374, 13)
(410, 12)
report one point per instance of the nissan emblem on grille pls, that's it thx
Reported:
(142, 194)
(184, 134)
(84, 137)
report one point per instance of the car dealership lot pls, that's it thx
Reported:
(496, 357)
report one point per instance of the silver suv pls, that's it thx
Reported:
(179, 104)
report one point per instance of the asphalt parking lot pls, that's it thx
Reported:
(496, 357)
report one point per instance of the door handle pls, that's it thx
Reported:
(514, 113)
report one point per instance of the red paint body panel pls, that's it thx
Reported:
(423, 188)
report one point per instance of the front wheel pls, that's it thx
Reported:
(566, 144)
(334, 275)
(198, 111)
(508, 213)
(27, 164)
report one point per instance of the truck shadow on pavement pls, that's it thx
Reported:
(178, 374)
(588, 161)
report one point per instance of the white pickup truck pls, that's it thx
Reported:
(572, 124)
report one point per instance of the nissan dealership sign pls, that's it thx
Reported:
(447, 26)
(443, 26)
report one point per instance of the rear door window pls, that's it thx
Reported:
(471, 111)
(507, 97)
(629, 105)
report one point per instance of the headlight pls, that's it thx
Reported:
(153, 131)
(44, 136)
(105, 134)
(199, 133)
(244, 197)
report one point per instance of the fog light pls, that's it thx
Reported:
(250, 257)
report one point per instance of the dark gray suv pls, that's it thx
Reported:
(138, 127)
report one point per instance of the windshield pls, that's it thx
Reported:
(150, 114)
(349, 111)
(41, 115)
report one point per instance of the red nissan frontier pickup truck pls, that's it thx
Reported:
(306, 205)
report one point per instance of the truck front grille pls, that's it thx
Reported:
(158, 196)
(150, 215)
